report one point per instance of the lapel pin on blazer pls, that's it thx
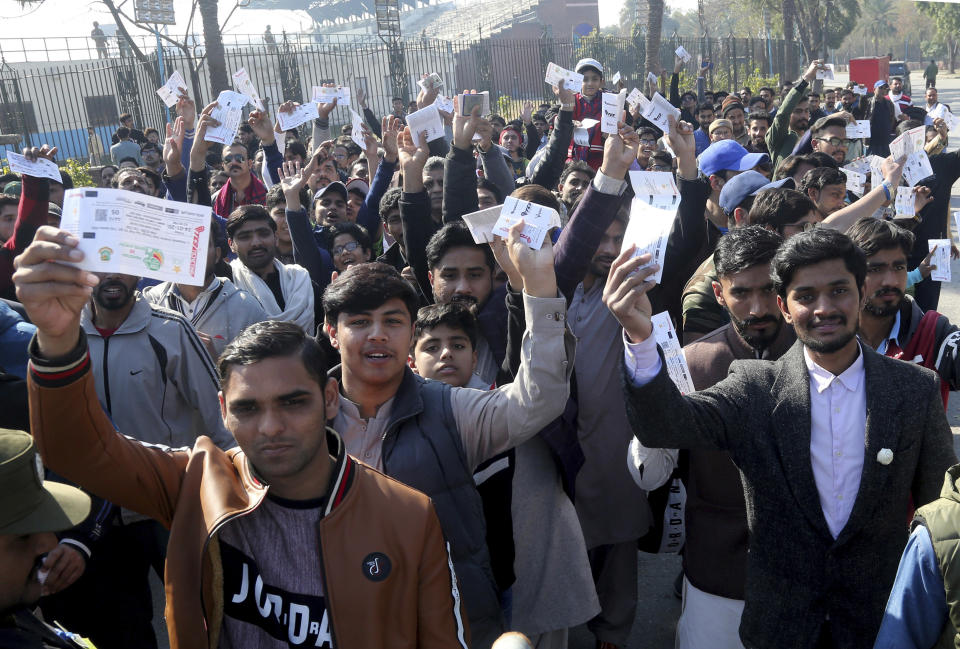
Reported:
(885, 456)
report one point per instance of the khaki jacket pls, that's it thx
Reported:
(196, 492)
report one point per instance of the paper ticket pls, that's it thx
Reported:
(229, 112)
(683, 54)
(856, 181)
(572, 81)
(135, 234)
(941, 258)
(326, 95)
(905, 203)
(426, 119)
(170, 91)
(481, 223)
(653, 182)
(299, 115)
(648, 229)
(612, 111)
(243, 85)
(443, 103)
(859, 129)
(658, 110)
(666, 337)
(41, 168)
(538, 219)
(356, 130)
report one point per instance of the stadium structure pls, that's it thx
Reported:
(449, 19)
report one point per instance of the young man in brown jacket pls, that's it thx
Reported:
(360, 562)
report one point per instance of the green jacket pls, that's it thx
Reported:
(780, 139)
(942, 519)
(931, 72)
(701, 312)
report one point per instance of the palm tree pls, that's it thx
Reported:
(879, 20)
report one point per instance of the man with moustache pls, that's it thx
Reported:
(792, 118)
(834, 442)
(892, 322)
(285, 291)
(715, 554)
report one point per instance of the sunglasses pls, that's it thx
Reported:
(239, 157)
(347, 247)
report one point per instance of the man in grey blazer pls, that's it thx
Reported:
(832, 442)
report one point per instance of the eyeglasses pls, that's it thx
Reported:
(646, 140)
(239, 157)
(835, 141)
(347, 247)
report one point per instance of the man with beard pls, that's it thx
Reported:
(827, 486)
(759, 124)
(285, 291)
(705, 116)
(892, 322)
(897, 96)
(701, 311)
(734, 112)
(715, 554)
(792, 118)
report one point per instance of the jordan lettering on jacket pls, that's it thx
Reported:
(299, 619)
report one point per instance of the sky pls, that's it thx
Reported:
(75, 17)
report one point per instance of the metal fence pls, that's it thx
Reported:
(67, 104)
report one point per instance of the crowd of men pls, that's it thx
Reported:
(365, 429)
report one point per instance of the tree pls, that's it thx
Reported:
(946, 17)
(654, 25)
(878, 21)
(629, 16)
(214, 46)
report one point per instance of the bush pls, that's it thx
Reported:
(79, 171)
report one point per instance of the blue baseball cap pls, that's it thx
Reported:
(728, 154)
(738, 188)
(879, 84)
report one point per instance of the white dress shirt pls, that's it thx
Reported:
(838, 421)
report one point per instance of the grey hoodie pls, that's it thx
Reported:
(226, 313)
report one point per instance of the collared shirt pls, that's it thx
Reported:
(838, 421)
(363, 437)
(891, 337)
(179, 303)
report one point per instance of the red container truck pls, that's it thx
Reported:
(867, 70)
